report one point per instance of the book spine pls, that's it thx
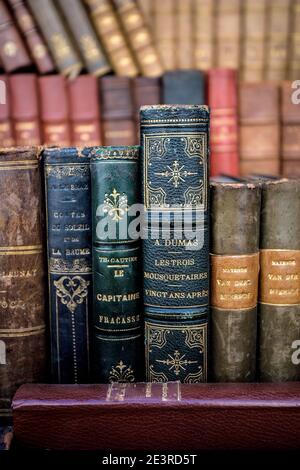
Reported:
(183, 87)
(146, 8)
(85, 36)
(164, 24)
(184, 46)
(222, 99)
(62, 49)
(228, 16)
(109, 30)
(146, 91)
(234, 280)
(84, 111)
(278, 29)
(22, 295)
(204, 34)
(294, 55)
(279, 310)
(254, 31)
(139, 37)
(117, 111)
(13, 52)
(54, 110)
(33, 38)
(67, 185)
(6, 128)
(25, 109)
(259, 123)
(175, 166)
(290, 131)
(117, 322)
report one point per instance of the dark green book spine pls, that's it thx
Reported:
(117, 312)
(235, 212)
(279, 308)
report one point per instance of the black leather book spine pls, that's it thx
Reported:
(183, 87)
(117, 311)
(67, 182)
(175, 153)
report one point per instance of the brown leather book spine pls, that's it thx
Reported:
(254, 36)
(228, 16)
(278, 28)
(290, 131)
(22, 280)
(57, 38)
(6, 128)
(195, 416)
(85, 111)
(33, 38)
(294, 55)
(203, 30)
(164, 31)
(118, 126)
(55, 111)
(259, 124)
(139, 37)
(184, 46)
(13, 52)
(25, 109)
(109, 30)
(291, 168)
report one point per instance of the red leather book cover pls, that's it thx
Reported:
(222, 99)
(55, 110)
(125, 416)
(6, 130)
(25, 109)
(85, 111)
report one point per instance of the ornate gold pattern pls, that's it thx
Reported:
(72, 291)
(176, 363)
(157, 376)
(107, 154)
(176, 174)
(121, 373)
(115, 205)
(60, 266)
(157, 338)
(62, 171)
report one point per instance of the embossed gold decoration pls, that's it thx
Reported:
(60, 45)
(121, 373)
(90, 48)
(176, 174)
(176, 363)
(72, 291)
(10, 49)
(115, 205)
(60, 266)
(62, 171)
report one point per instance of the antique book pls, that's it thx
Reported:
(25, 109)
(139, 37)
(228, 19)
(146, 8)
(68, 213)
(290, 131)
(56, 36)
(87, 41)
(294, 42)
(235, 214)
(22, 279)
(145, 91)
(84, 111)
(279, 310)
(175, 152)
(164, 31)
(196, 417)
(183, 87)
(222, 99)
(54, 110)
(203, 30)
(118, 334)
(254, 16)
(117, 111)
(35, 42)
(259, 123)
(113, 38)
(6, 128)
(13, 52)
(278, 30)
(184, 35)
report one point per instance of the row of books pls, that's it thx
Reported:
(148, 37)
(87, 111)
(102, 321)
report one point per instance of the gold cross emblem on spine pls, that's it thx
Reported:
(176, 362)
(176, 174)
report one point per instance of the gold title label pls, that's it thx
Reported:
(280, 277)
(235, 281)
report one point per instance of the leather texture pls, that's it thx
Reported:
(67, 180)
(130, 417)
(6, 128)
(183, 87)
(117, 312)
(277, 50)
